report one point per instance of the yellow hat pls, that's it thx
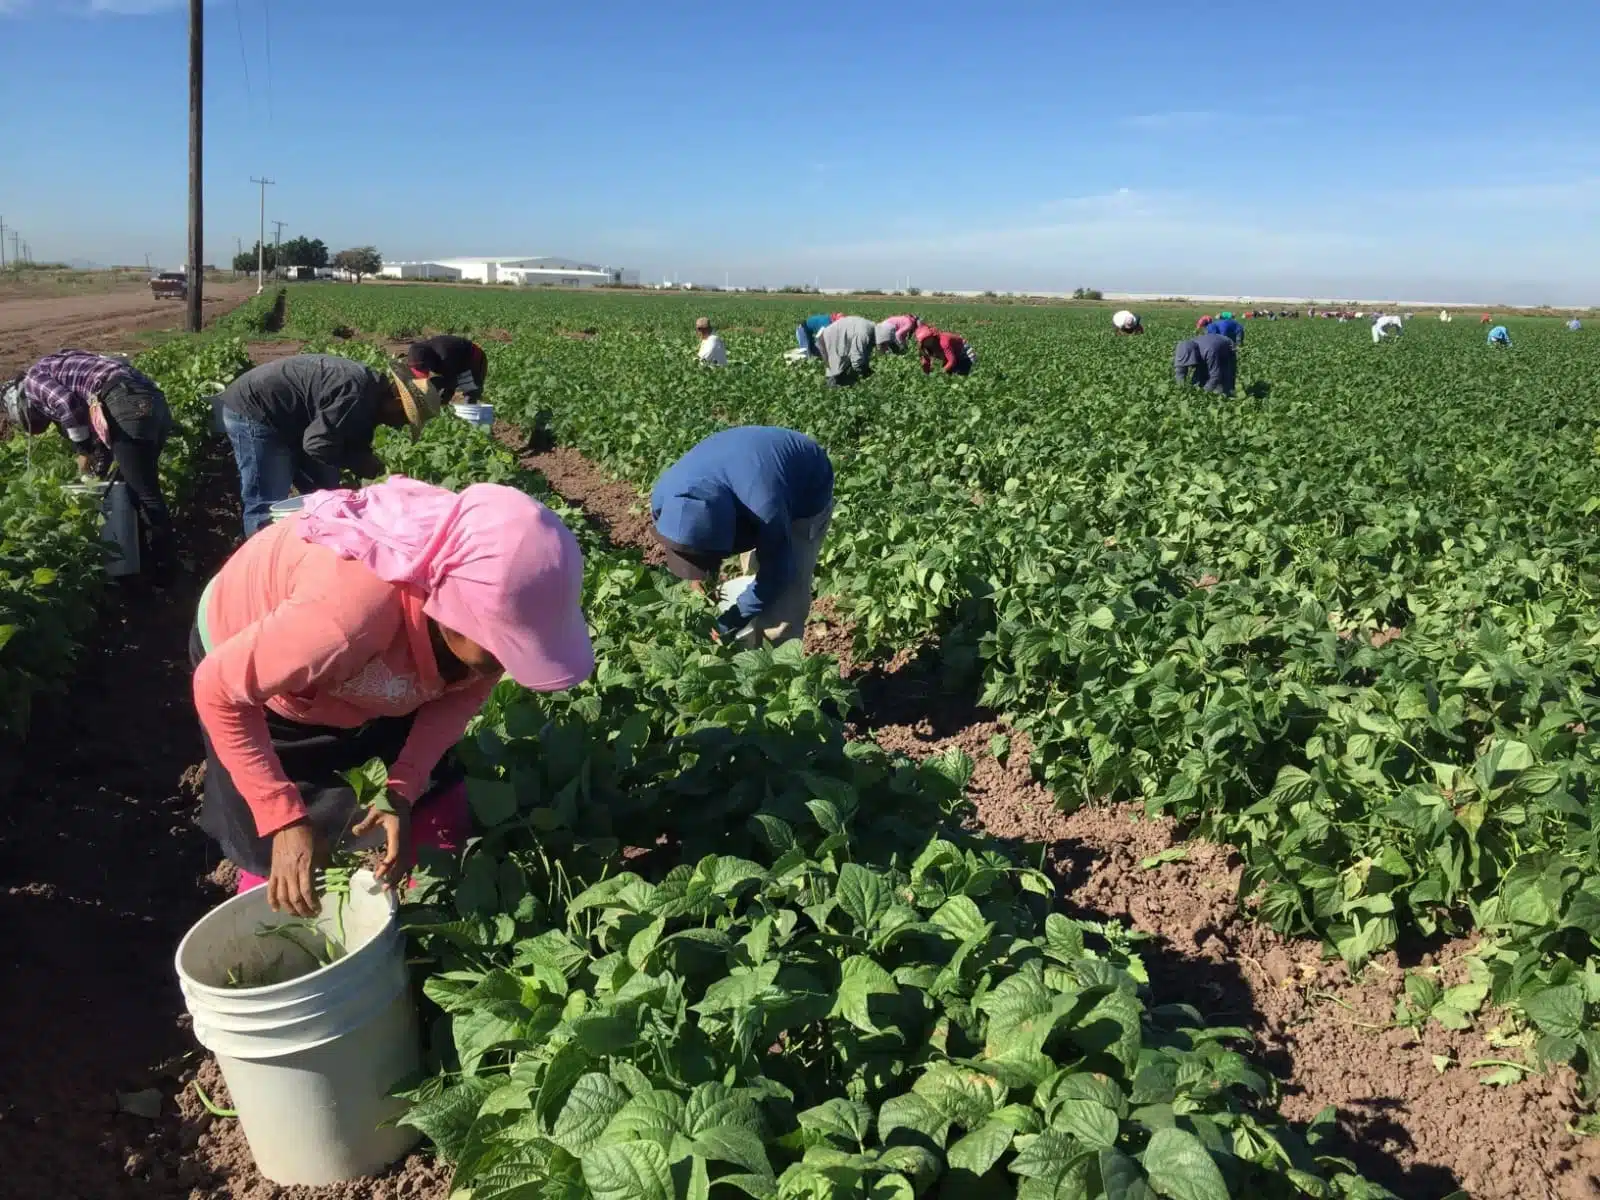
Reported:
(419, 398)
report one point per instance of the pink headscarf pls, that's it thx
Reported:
(491, 563)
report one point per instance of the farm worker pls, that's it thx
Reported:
(1444, 315)
(1499, 336)
(372, 625)
(905, 325)
(1574, 324)
(846, 345)
(111, 414)
(889, 337)
(712, 352)
(453, 364)
(299, 421)
(1382, 326)
(1203, 322)
(1228, 328)
(1209, 361)
(1126, 322)
(759, 491)
(959, 357)
(1484, 319)
(805, 333)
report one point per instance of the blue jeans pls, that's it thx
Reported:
(268, 468)
(806, 340)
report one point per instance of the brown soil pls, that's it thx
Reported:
(262, 353)
(614, 507)
(578, 335)
(32, 326)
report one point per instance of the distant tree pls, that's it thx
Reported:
(1088, 294)
(359, 261)
(245, 261)
(304, 252)
(913, 291)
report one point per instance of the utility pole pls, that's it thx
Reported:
(2, 243)
(238, 253)
(277, 249)
(261, 236)
(197, 242)
(16, 247)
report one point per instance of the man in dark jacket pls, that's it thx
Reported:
(298, 422)
(453, 364)
(1209, 361)
(757, 490)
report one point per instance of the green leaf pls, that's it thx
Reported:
(1179, 1166)
(860, 979)
(1122, 1177)
(591, 1104)
(966, 1097)
(864, 894)
(446, 1119)
(848, 1120)
(1049, 1157)
(979, 1150)
(1091, 1123)
(493, 801)
(628, 1171)
(734, 1144)
(1557, 1010)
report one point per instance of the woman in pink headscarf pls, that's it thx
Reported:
(372, 625)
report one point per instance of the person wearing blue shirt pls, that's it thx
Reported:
(805, 333)
(756, 490)
(1209, 361)
(1499, 336)
(1228, 328)
(1574, 324)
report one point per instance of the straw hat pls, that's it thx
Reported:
(418, 397)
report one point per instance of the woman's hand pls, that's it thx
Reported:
(400, 852)
(292, 885)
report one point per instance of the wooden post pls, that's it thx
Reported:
(197, 251)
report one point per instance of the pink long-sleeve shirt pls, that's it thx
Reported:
(321, 640)
(948, 346)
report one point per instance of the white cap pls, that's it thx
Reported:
(1124, 319)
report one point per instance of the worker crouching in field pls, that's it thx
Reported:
(298, 422)
(805, 333)
(1209, 361)
(373, 625)
(846, 345)
(890, 338)
(1386, 324)
(950, 348)
(1499, 336)
(112, 415)
(1228, 327)
(756, 490)
(454, 365)
(1126, 322)
(712, 352)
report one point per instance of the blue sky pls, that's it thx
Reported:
(1429, 150)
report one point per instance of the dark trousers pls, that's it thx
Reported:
(139, 422)
(314, 757)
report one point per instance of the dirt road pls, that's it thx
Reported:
(31, 326)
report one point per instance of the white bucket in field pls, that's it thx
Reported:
(481, 415)
(283, 509)
(310, 1061)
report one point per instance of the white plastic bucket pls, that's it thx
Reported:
(481, 415)
(309, 1062)
(730, 592)
(283, 509)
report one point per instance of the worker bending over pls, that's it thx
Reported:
(1126, 322)
(756, 490)
(951, 349)
(111, 414)
(1228, 328)
(299, 422)
(454, 365)
(1209, 361)
(846, 345)
(1384, 325)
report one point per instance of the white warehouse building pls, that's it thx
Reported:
(554, 272)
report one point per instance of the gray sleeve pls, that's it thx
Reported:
(1183, 358)
(342, 428)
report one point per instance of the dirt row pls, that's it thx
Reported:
(102, 869)
(111, 321)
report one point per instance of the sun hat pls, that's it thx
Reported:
(490, 563)
(1225, 316)
(688, 563)
(418, 397)
(703, 323)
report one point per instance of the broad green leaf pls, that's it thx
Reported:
(628, 1171)
(864, 894)
(1179, 1166)
(594, 1100)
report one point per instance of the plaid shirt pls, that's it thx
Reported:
(62, 385)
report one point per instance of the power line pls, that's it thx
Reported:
(266, 18)
(261, 238)
(238, 24)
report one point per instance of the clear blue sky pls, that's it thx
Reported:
(1432, 150)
